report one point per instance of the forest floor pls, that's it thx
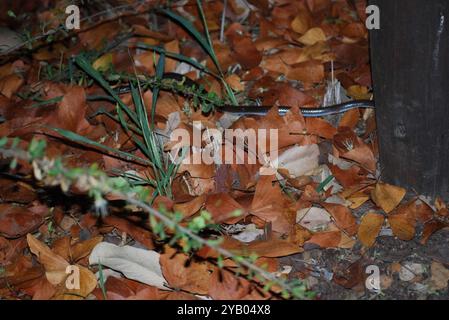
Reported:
(93, 204)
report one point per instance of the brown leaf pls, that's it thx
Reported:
(17, 221)
(191, 207)
(301, 23)
(273, 248)
(300, 235)
(351, 276)
(183, 273)
(311, 71)
(326, 239)
(136, 232)
(343, 217)
(224, 285)
(224, 208)
(55, 266)
(369, 228)
(245, 52)
(387, 196)
(44, 290)
(350, 119)
(61, 247)
(235, 82)
(268, 204)
(430, 228)
(83, 249)
(313, 36)
(10, 84)
(351, 147)
(320, 127)
(87, 282)
(354, 30)
(403, 225)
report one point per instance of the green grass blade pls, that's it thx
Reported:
(148, 136)
(186, 24)
(83, 140)
(84, 64)
(204, 21)
(159, 74)
(47, 102)
(177, 56)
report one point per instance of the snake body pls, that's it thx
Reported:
(254, 110)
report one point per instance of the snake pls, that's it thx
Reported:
(255, 110)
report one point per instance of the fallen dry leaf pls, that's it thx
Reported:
(132, 229)
(134, 263)
(10, 84)
(326, 239)
(58, 274)
(440, 275)
(224, 208)
(55, 266)
(16, 221)
(273, 248)
(430, 228)
(301, 23)
(268, 204)
(313, 36)
(387, 196)
(183, 273)
(343, 217)
(403, 225)
(226, 286)
(369, 228)
(191, 207)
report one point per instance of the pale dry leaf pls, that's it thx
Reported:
(299, 161)
(440, 275)
(313, 36)
(314, 219)
(87, 284)
(137, 264)
(55, 266)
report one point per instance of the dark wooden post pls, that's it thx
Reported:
(410, 63)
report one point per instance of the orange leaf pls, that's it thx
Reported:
(183, 273)
(10, 84)
(269, 204)
(55, 266)
(387, 196)
(191, 207)
(136, 232)
(313, 36)
(350, 119)
(370, 226)
(352, 147)
(235, 82)
(224, 208)
(83, 249)
(311, 71)
(327, 239)
(343, 217)
(273, 248)
(302, 22)
(403, 225)
(224, 285)
(87, 282)
(320, 127)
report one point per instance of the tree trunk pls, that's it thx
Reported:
(410, 65)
